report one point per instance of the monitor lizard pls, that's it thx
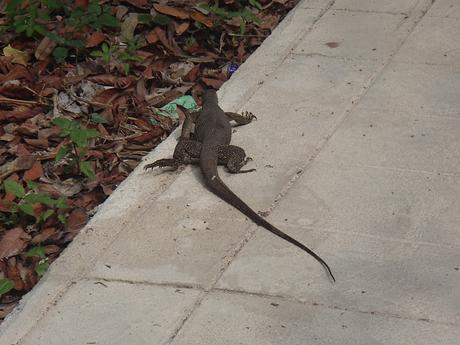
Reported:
(211, 147)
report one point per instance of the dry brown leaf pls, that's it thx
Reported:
(172, 11)
(182, 28)
(139, 3)
(201, 18)
(44, 235)
(12, 272)
(95, 39)
(44, 49)
(77, 219)
(42, 143)
(112, 80)
(152, 37)
(13, 242)
(34, 173)
(145, 137)
(214, 83)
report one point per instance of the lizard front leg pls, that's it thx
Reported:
(234, 158)
(186, 152)
(241, 119)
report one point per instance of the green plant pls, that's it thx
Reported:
(5, 285)
(78, 147)
(24, 207)
(94, 16)
(245, 14)
(105, 52)
(32, 19)
(42, 265)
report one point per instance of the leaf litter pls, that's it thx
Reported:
(87, 88)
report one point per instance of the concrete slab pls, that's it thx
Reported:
(416, 89)
(436, 40)
(445, 8)
(228, 319)
(390, 6)
(391, 238)
(312, 95)
(341, 34)
(396, 140)
(184, 245)
(115, 313)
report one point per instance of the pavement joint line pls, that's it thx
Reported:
(370, 11)
(176, 285)
(421, 63)
(336, 57)
(415, 171)
(417, 113)
(291, 299)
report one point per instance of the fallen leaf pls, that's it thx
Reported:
(182, 28)
(201, 18)
(77, 219)
(173, 48)
(44, 235)
(145, 137)
(13, 242)
(138, 3)
(34, 173)
(12, 272)
(44, 49)
(95, 39)
(152, 37)
(214, 83)
(171, 11)
(18, 56)
(128, 27)
(42, 143)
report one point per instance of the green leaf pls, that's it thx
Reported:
(27, 209)
(161, 19)
(74, 43)
(80, 136)
(36, 251)
(109, 20)
(98, 118)
(96, 53)
(61, 203)
(42, 268)
(5, 285)
(60, 54)
(63, 151)
(145, 19)
(62, 218)
(256, 4)
(40, 199)
(87, 170)
(48, 213)
(32, 184)
(14, 188)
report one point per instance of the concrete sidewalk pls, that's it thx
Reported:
(357, 154)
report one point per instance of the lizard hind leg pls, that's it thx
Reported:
(234, 158)
(167, 162)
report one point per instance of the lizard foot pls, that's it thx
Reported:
(163, 163)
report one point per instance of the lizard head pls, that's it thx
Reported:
(209, 96)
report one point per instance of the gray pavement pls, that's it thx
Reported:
(357, 154)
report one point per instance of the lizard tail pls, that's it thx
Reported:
(208, 164)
